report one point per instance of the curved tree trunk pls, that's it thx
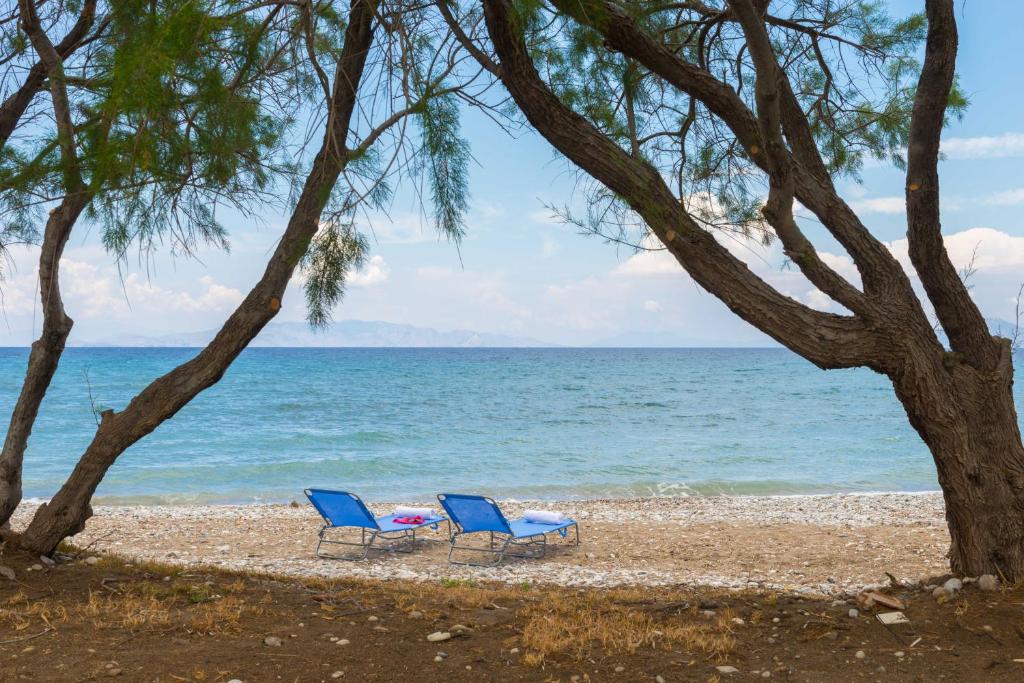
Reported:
(45, 354)
(969, 421)
(66, 513)
(47, 350)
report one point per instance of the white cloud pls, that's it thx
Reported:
(817, 299)
(99, 297)
(375, 271)
(652, 306)
(984, 147)
(886, 205)
(648, 263)
(992, 250)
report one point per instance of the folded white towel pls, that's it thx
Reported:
(544, 517)
(405, 511)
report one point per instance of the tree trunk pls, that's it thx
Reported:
(45, 354)
(969, 421)
(66, 513)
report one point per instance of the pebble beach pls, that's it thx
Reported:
(815, 545)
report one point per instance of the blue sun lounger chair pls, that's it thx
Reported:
(518, 538)
(341, 509)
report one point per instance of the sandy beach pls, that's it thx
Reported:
(824, 545)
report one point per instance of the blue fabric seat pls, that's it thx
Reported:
(341, 509)
(518, 538)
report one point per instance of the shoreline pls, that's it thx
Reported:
(200, 500)
(816, 545)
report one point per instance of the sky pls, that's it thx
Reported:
(520, 272)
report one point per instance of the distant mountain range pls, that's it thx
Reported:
(363, 333)
(340, 334)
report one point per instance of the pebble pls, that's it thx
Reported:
(953, 586)
(438, 658)
(231, 524)
(898, 653)
(91, 560)
(415, 614)
(738, 621)
(860, 654)
(373, 617)
(236, 680)
(113, 672)
(438, 636)
(727, 670)
(854, 613)
(619, 669)
(659, 679)
(272, 641)
(37, 567)
(343, 641)
(514, 651)
(337, 674)
(766, 674)
(988, 582)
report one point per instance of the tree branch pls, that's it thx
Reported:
(879, 271)
(779, 164)
(959, 315)
(827, 340)
(15, 105)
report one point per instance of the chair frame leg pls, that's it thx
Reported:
(364, 543)
(498, 553)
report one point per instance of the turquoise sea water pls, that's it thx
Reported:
(550, 423)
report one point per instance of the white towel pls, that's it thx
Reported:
(544, 517)
(405, 511)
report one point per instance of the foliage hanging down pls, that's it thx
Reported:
(420, 74)
(852, 66)
(175, 115)
(183, 109)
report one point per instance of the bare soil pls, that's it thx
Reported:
(152, 622)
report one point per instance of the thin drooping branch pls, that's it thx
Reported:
(49, 56)
(67, 512)
(879, 270)
(957, 313)
(14, 107)
(481, 57)
(827, 340)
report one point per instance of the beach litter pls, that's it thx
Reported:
(868, 599)
(890, 618)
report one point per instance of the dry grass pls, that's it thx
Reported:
(554, 622)
(150, 605)
(611, 623)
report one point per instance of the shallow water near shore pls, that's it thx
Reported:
(513, 423)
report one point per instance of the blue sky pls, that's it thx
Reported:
(520, 273)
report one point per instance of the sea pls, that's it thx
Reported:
(408, 423)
